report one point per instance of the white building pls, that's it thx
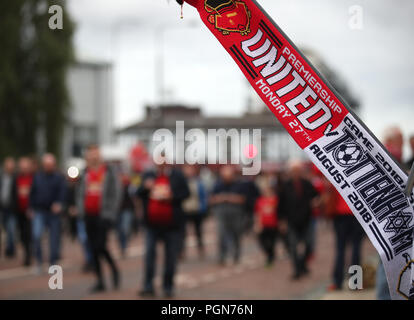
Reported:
(90, 118)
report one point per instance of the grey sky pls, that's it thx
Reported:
(377, 62)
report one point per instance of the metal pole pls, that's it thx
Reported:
(159, 66)
(159, 60)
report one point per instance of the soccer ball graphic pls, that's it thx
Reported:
(348, 154)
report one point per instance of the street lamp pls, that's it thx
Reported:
(160, 31)
(159, 34)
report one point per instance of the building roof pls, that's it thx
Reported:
(166, 116)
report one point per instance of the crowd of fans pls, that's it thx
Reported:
(277, 205)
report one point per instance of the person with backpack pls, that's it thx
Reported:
(162, 191)
(97, 198)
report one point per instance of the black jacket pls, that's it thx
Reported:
(180, 192)
(111, 194)
(47, 188)
(251, 192)
(295, 208)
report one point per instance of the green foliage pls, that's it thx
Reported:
(33, 64)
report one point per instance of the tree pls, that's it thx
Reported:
(33, 63)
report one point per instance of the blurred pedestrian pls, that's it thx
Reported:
(7, 204)
(97, 199)
(24, 180)
(194, 207)
(317, 180)
(295, 210)
(410, 162)
(393, 142)
(162, 192)
(47, 199)
(266, 221)
(125, 214)
(274, 179)
(251, 193)
(347, 231)
(228, 204)
(138, 215)
(70, 206)
(78, 224)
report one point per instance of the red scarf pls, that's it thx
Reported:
(319, 121)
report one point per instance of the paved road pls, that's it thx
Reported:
(196, 279)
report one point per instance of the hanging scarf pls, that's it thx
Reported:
(322, 124)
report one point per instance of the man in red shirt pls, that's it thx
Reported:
(24, 181)
(98, 198)
(162, 192)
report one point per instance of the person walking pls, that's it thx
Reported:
(195, 208)
(162, 192)
(295, 211)
(125, 214)
(7, 204)
(251, 193)
(347, 231)
(266, 222)
(78, 224)
(97, 198)
(47, 199)
(24, 180)
(228, 203)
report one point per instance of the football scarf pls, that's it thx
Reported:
(322, 124)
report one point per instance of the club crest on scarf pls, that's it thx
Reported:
(229, 16)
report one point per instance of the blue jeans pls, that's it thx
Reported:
(41, 220)
(9, 223)
(124, 228)
(297, 236)
(230, 223)
(347, 230)
(170, 239)
(83, 239)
